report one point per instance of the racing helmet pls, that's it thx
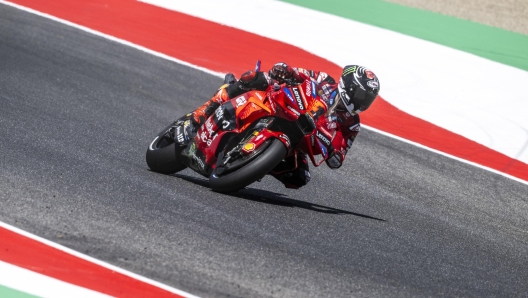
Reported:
(358, 88)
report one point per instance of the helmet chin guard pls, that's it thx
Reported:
(344, 98)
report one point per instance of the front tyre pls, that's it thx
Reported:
(163, 155)
(255, 169)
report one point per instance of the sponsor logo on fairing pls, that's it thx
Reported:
(323, 148)
(288, 93)
(286, 139)
(209, 127)
(298, 99)
(308, 89)
(294, 111)
(208, 139)
(219, 115)
(272, 105)
(323, 138)
(199, 161)
(240, 101)
(219, 112)
(179, 135)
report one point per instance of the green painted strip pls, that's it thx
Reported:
(485, 41)
(6, 292)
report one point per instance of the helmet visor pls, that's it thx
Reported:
(362, 99)
(359, 102)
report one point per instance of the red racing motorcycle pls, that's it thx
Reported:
(247, 137)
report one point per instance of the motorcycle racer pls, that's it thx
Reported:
(357, 88)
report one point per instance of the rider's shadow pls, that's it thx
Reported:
(268, 197)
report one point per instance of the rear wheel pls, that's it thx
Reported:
(163, 155)
(247, 169)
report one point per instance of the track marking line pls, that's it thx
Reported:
(22, 249)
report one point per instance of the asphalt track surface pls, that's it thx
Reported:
(78, 112)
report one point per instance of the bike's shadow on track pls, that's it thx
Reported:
(268, 197)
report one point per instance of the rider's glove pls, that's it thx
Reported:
(281, 72)
(229, 79)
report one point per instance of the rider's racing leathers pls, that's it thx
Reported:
(347, 125)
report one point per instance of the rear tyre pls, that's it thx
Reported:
(255, 169)
(163, 155)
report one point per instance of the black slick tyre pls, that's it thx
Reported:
(250, 172)
(163, 154)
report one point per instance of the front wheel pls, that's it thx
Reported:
(254, 169)
(163, 155)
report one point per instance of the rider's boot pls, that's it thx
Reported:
(207, 109)
(291, 176)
